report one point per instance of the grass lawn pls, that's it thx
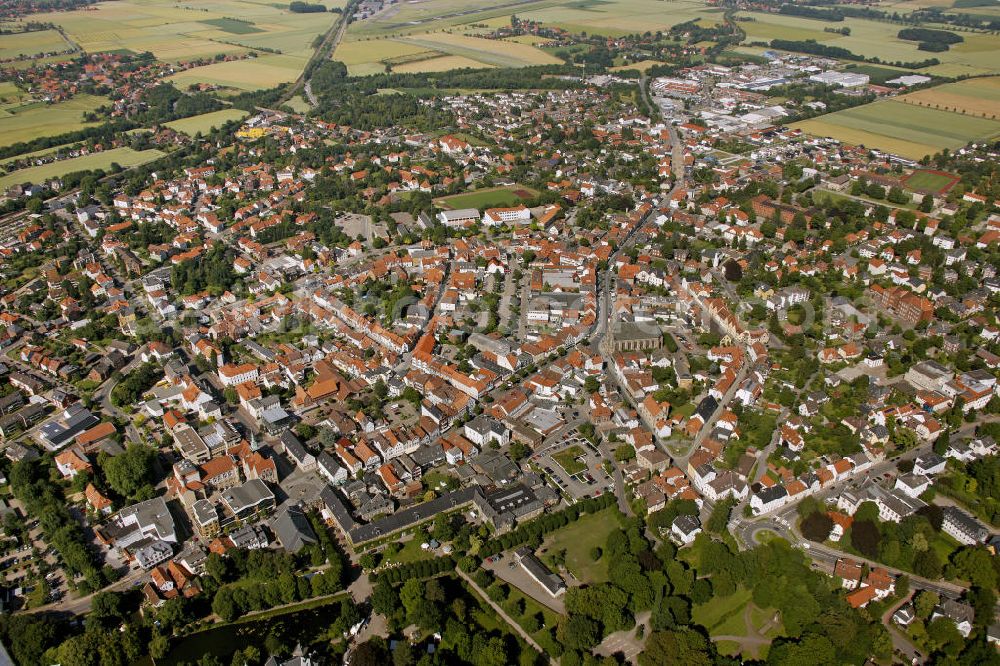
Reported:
(723, 616)
(531, 607)
(299, 104)
(579, 537)
(126, 157)
(489, 198)
(568, 460)
(411, 552)
(944, 546)
(206, 121)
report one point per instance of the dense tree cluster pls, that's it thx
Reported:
(130, 389)
(44, 500)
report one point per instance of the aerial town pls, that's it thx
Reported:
(579, 365)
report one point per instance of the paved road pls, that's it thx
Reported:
(900, 643)
(81, 605)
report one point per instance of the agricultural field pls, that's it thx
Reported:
(126, 157)
(601, 17)
(904, 129)
(27, 44)
(619, 17)
(175, 33)
(486, 51)
(429, 15)
(491, 198)
(975, 56)
(436, 52)
(265, 71)
(299, 104)
(442, 63)
(974, 97)
(206, 122)
(641, 66)
(30, 121)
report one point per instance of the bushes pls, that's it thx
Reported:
(421, 569)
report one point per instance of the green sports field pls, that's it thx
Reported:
(903, 129)
(126, 157)
(491, 198)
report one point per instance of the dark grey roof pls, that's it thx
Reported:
(292, 528)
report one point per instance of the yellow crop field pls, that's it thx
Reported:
(252, 74)
(174, 32)
(978, 97)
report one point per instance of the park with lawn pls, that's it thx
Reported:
(576, 545)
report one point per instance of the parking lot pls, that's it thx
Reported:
(584, 478)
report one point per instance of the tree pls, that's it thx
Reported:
(924, 603)
(129, 472)
(224, 605)
(677, 647)
(719, 519)
(974, 564)
(580, 632)
(106, 611)
(943, 634)
(927, 564)
(443, 528)
(865, 537)
(816, 526)
(385, 600)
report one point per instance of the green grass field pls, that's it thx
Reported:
(904, 129)
(233, 26)
(569, 460)
(126, 157)
(579, 538)
(723, 615)
(929, 181)
(490, 198)
(206, 121)
(26, 44)
(30, 121)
